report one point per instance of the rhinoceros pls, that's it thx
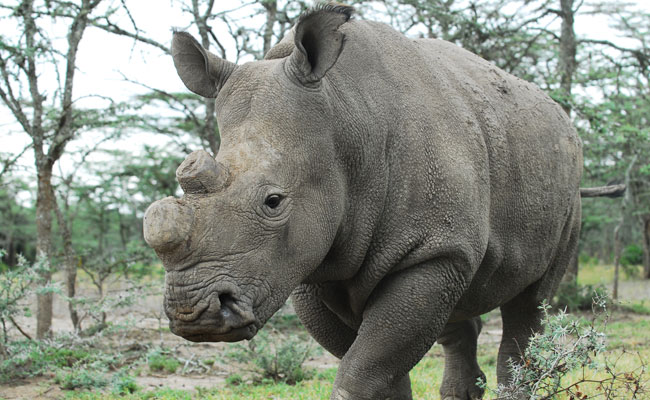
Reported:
(395, 188)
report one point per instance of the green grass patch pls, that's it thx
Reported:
(71, 379)
(635, 307)
(32, 358)
(160, 360)
(595, 274)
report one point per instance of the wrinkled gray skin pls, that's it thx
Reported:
(416, 187)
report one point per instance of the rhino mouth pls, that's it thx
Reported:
(232, 335)
(219, 318)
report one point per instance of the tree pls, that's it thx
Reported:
(616, 130)
(50, 127)
(46, 109)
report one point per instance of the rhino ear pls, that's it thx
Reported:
(201, 71)
(318, 42)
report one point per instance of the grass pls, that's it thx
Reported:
(628, 346)
(624, 336)
(603, 274)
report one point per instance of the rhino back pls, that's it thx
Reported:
(447, 156)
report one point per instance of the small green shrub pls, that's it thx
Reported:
(160, 360)
(586, 259)
(71, 379)
(632, 255)
(278, 358)
(568, 344)
(234, 380)
(60, 357)
(32, 358)
(16, 285)
(574, 297)
(123, 383)
(208, 361)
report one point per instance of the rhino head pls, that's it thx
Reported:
(258, 219)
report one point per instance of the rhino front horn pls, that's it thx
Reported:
(167, 224)
(200, 173)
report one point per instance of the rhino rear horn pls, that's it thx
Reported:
(201, 71)
(200, 173)
(318, 41)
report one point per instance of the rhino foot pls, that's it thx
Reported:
(463, 389)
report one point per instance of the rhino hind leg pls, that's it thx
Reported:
(461, 368)
(521, 316)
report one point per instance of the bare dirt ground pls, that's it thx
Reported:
(148, 328)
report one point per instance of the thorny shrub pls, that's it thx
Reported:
(16, 285)
(568, 344)
(277, 357)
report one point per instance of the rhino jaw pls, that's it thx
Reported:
(214, 314)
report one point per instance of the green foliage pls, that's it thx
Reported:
(637, 308)
(632, 255)
(234, 380)
(278, 358)
(17, 230)
(123, 383)
(33, 358)
(573, 297)
(284, 321)
(568, 344)
(16, 284)
(71, 379)
(160, 359)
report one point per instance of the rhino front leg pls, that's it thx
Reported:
(461, 368)
(403, 318)
(334, 335)
(321, 323)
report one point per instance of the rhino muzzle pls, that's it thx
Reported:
(219, 317)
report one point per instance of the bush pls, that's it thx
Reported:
(33, 358)
(568, 344)
(70, 379)
(575, 297)
(160, 360)
(16, 285)
(632, 255)
(278, 358)
(631, 259)
(123, 383)
(234, 380)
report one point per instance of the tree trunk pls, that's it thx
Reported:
(209, 131)
(271, 16)
(646, 246)
(567, 65)
(45, 204)
(567, 52)
(618, 246)
(70, 266)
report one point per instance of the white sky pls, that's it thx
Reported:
(103, 58)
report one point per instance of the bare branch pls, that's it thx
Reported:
(603, 191)
(108, 26)
(7, 164)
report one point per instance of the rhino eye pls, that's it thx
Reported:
(272, 201)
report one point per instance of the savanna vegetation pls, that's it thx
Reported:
(80, 292)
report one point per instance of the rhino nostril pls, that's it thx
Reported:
(225, 298)
(226, 302)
